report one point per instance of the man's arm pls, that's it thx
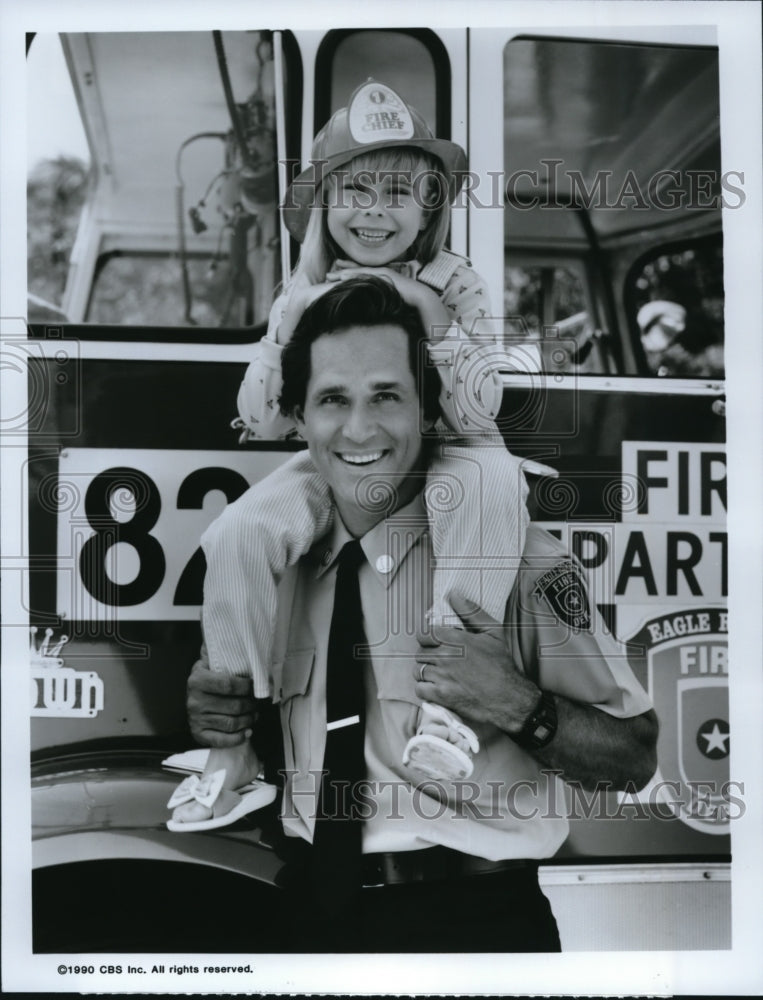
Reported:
(590, 746)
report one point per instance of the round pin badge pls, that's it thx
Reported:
(385, 564)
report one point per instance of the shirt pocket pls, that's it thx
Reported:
(291, 680)
(291, 676)
(399, 705)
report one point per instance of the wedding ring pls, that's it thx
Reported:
(422, 668)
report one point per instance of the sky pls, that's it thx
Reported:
(54, 126)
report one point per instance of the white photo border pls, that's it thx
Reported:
(730, 972)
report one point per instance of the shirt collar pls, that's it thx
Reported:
(385, 546)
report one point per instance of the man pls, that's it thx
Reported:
(451, 865)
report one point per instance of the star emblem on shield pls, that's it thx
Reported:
(713, 739)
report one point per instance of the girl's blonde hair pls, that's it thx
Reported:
(318, 248)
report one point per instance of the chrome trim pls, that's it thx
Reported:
(650, 386)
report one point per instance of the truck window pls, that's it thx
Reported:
(407, 61)
(124, 282)
(181, 220)
(612, 202)
(552, 299)
(676, 310)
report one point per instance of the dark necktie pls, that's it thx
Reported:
(336, 851)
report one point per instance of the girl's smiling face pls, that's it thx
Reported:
(375, 215)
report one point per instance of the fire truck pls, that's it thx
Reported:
(593, 207)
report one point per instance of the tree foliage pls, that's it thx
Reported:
(56, 191)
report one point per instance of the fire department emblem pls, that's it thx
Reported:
(376, 113)
(564, 591)
(687, 677)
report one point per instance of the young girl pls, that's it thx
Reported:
(376, 198)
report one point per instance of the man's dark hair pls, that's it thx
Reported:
(362, 301)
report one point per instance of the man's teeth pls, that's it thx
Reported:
(372, 456)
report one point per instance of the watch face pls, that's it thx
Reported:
(543, 732)
(541, 727)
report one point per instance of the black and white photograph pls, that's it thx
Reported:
(381, 475)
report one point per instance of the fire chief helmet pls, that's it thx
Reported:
(375, 118)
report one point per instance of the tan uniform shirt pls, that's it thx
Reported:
(510, 807)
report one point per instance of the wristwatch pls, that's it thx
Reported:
(540, 728)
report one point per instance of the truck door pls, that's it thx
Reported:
(610, 276)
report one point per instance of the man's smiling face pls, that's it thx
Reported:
(362, 418)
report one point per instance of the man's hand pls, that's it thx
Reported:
(481, 684)
(407, 285)
(220, 707)
(590, 746)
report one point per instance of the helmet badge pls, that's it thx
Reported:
(377, 113)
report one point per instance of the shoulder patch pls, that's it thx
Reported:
(564, 590)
